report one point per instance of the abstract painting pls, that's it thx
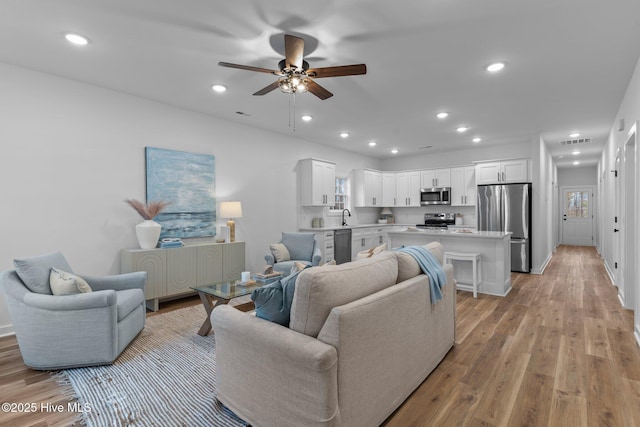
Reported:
(187, 181)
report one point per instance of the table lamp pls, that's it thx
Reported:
(231, 210)
(386, 213)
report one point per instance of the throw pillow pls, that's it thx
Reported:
(63, 283)
(364, 254)
(34, 271)
(298, 266)
(378, 249)
(332, 262)
(273, 301)
(280, 252)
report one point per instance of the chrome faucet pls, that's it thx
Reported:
(343, 221)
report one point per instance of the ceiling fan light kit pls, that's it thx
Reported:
(295, 74)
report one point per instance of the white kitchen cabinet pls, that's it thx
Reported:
(463, 186)
(317, 180)
(325, 242)
(363, 239)
(367, 188)
(389, 197)
(503, 172)
(436, 178)
(408, 188)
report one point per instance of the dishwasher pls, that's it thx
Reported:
(342, 245)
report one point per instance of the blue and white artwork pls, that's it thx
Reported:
(187, 181)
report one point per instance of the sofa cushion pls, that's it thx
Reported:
(127, 301)
(63, 283)
(319, 289)
(300, 245)
(407, 265)
(34, 271)
(273, 301)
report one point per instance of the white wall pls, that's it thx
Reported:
(72, 153)
(545, 188)
(570, 176)
(629, 111)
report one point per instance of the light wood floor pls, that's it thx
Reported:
(557, 351)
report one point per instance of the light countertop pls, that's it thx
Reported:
(412, 231)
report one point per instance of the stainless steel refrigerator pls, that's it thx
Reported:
(505, 208)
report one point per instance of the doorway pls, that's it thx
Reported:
(577, 215)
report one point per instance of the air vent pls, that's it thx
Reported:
(576, 141)
(426, 147)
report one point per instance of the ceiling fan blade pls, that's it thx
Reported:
(342, 70)
(294, 51)
(269, 88)
(248, 68)
(318, 90)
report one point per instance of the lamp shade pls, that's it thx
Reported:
(230, 210)
(386, 211)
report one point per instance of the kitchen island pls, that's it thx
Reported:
(494, 248)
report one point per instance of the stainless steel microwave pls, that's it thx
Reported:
(435, 196)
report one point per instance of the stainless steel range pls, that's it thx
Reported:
(437, 221)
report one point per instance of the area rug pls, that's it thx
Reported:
(166, 377)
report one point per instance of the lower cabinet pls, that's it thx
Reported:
(174, 271)
(367, 238)
(325, 240)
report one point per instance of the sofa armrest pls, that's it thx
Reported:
(271, 375)
(86, 301)
(118, 282)
(317, 255)
(269, 259)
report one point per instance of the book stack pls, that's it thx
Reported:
(266, 278)
(170, 243)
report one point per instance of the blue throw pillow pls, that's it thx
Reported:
(273, 301)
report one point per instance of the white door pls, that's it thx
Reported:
(577, 218)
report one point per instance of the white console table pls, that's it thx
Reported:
(172, 272)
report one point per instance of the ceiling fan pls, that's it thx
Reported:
(295, 74)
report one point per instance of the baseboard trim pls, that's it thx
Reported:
(636, 333)
(609, 273)
(621, 299)
(544, 265)
(6, 331)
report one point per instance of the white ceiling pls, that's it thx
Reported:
(569, 63)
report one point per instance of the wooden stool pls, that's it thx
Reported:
(475, 261)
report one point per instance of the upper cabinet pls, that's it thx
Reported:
(408, 188)
(436, 178)
(389, 189)
(503, 172)
(367, 188)
(317, 182)
(463, 186)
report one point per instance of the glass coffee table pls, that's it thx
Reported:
(219, 294)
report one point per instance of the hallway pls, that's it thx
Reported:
(558, 350)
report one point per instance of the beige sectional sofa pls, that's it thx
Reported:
(362, 336)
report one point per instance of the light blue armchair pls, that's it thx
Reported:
(302, 247)
(66, 331)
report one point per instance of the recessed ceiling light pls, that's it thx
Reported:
(574, 135)
(575, 153)
(442, 115)
(219, 88)
(76, 39)
(476, 139)
(495, 67)
(344, 135)
(372, 144)
(576, 163)
(462, 129)
(306, 118)
(394, 151)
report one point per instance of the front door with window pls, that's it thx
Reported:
(577, 216)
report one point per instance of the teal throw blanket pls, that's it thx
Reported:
(431, 267)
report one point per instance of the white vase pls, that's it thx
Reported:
(148, 232)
